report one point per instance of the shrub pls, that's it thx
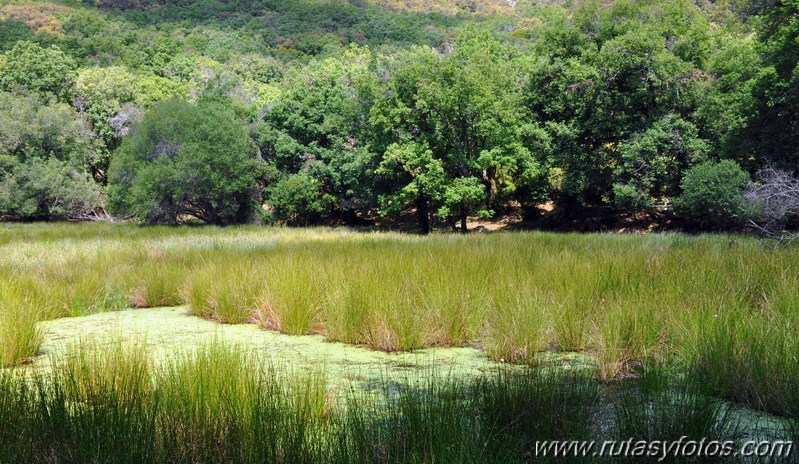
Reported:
(13, 31)
(627, 197)
(184, 160)
(712, 194)
(47, 188)
(297, 198)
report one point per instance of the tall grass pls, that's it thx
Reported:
(520, 324)
(228, 295)
(722, 307)
(219, 404)
(292, 297)
(659, 406)
(111, 404)
(20, 337)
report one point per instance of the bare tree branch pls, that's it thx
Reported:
(776, 195)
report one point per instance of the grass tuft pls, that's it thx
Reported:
(20, 335)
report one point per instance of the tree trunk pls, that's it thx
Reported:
(423, 213)
(463, 222)
(490, 182)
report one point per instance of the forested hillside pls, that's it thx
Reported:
(310, 111)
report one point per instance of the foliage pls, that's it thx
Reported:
(112, 100)
(652, 162)
(45, 189)
(712, 193)
(42, 155)
(184, 159)
(314, 131)
(28, 67)
(424, 180)
(297, 198)
(455, 124)
(590, 108)
(618, 93)
(11, 32)
(771, 129)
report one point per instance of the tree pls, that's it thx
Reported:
(652, 163)
(112, 99)
(30, 68)
(316, 126)
(42, 158)
(47, 188)
(460, 117)
(462, 197)
(722, 112)
(771, 131)
(419, 180)
(184, 160)
(611, 79)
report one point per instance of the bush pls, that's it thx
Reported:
(297, 198)
(626, 197)
(712, 194)
(13, 31)
(184, 160)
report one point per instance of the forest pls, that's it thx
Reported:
(580, 115)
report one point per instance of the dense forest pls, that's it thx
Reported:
(433, 113)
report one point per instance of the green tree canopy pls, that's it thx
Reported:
(772, 129)
(461, 116)
(28, 67)
(42, 157)
(317, 126)
(112, 100)
(185, 160)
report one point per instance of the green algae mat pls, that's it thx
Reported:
(167, 332)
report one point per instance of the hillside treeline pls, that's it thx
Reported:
(305, 112)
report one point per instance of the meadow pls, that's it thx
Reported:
(703, 324)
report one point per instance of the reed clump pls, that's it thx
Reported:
(20, 335)
(708, 304)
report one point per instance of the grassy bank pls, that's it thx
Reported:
(724, 309)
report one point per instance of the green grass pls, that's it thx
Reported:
(20, 336)
(659, 407)
(218, 403)
(110, 404)
(719, 307)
